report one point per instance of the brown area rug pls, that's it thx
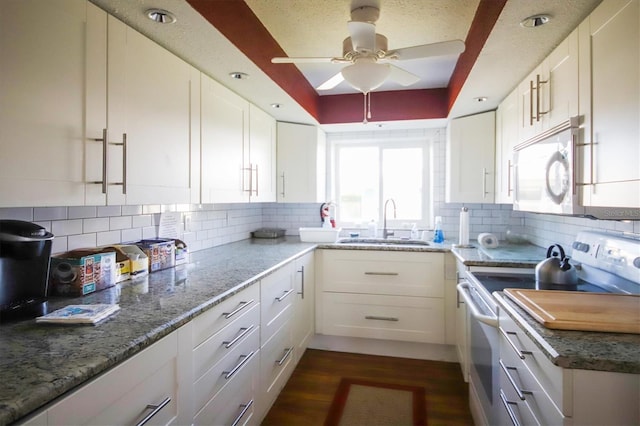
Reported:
(362, 402)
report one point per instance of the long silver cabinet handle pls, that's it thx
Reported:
(283, 191)
(243, 332)
(284, 296)
(244, 407)
(287, 352)
(243, 305)
(375, 317)
(513, 381)
(123, 144)
(507, 406)
(538, 83)
(301, 292)
(518, 351)
(382, 273)
(244, 359)
(103, 182)
(531, 116)
(156, 409)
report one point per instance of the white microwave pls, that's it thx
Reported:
(545, 173)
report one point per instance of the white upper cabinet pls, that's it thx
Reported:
(149, 118)
(262, 155)
(610, 103)
(470, 159)
(225, 125)
(506, 139)
(301, 163)
(549, 95)
(44, 49)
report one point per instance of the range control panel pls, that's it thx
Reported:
(610, 252)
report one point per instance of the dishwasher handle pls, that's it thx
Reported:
(463, 290)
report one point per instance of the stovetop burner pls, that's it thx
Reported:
(499, 281)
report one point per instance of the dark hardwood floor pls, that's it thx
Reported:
(307, 396)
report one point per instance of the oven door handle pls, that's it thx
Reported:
(463, 290)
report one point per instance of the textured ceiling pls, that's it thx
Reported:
(317, 28)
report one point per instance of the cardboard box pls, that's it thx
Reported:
(161, 253)
(132, 261)
(182, 252)
(81, 272)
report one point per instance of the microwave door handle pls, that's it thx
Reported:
(463, 290)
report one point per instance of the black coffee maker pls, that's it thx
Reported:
(25, 252)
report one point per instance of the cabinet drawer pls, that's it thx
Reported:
(277, 295)
(413, 319)
(220, 344)
(380, 272)
(121, 395)
(236, 403)
(548, 376)
(212, 321)
(276, 365)
(210, 383)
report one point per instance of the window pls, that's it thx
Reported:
(369, 173)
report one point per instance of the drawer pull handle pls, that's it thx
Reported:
(243, 360)
(519, 352)
(245, 408)
(513, 381)
(507, 406)
(375, 317)
(284, 296)
(156, 409)
(382, 273)
(287, 352)
(243, 305)
(243, 332)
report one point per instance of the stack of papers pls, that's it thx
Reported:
(80, 314)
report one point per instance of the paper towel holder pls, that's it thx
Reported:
(463, 241)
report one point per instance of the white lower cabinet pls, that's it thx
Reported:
(144, 385)
(382, 295)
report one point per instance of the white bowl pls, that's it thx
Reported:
(319, 235)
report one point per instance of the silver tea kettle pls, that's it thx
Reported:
(555, 272)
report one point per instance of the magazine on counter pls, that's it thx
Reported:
(80, 314)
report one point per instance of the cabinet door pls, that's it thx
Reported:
(506, 139)
(262, 155)
(149, 99)
(44, 48)
(529, 123)
(301, 163)
(225, 125)
(304, 309)
(470, 159)
(559, 92)
(610, 101)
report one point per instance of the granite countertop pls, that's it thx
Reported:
(616, 352)
(506, 255)
(39, 362)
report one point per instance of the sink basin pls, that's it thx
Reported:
(382, 241)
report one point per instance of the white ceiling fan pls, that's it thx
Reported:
(369, 58)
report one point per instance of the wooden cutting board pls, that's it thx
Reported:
(571, 310)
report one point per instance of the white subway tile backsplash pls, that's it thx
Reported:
(49, 213)
(17, 213)
(141, 221)
(82, 212)
(109, 237)
(133, 234)
(108, 211)
(132, 210)
(81, 241)
(120, 222)
(99, 224)
(66, 227)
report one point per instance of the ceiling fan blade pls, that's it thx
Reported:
(363, 36)
(332, 82)
(452, 47)
(403, 77)
(303, 60)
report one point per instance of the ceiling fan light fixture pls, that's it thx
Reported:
(535, 21)
(366, 76)
(161, 16)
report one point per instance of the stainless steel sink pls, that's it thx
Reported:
(383, 241)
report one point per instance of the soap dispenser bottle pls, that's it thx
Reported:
(438, 235)
(373, 229)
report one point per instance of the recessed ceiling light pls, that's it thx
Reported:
(535, 21)
(236, 75)
(276, 105)
(480, 99)
(161, 16)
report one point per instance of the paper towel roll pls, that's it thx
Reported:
(488, 240)
(463, 234)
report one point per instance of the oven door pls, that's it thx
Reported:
(484, 354)
(545, 172)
